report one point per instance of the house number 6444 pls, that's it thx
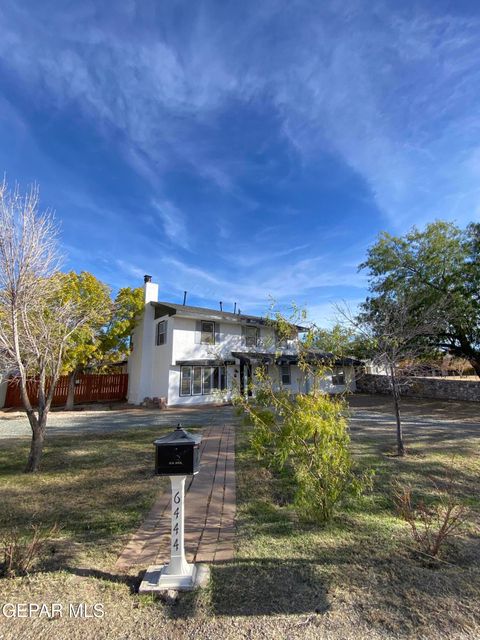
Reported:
(176, 500)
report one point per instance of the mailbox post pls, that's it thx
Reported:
(178, 565)
(177, 455)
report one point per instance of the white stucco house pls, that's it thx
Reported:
(193, 355)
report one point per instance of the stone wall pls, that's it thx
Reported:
(439, 388)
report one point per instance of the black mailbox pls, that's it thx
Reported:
(177, 454)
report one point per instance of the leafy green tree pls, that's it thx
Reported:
(343, 340)
(105, 339)
(442, 261)
(338, 340)
(85, 344)
(115, 340)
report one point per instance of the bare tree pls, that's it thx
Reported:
(36, 319)
(394, 330)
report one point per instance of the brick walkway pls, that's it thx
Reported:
(209, 511)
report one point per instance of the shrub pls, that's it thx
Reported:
(309, 433)
(21, 551)
(431, 525)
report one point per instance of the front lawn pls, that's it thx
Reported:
(356, 578)
(97, 488)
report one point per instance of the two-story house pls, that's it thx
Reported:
(194, 355)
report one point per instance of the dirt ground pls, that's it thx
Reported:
(449, 410)
(355, 579)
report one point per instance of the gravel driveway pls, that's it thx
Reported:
(15, 424)
(367, 412)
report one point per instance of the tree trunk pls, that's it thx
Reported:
(38, 436)
(38, 423)
(71, 389)
(468, 351)
(396, 405)
(475, 362)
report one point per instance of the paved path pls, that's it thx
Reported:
(209, 510)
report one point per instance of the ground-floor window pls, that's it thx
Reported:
(338, 378)
(186, 381)
(198, 381)
(286, 377)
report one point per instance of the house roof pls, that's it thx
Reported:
(312, 356)
(325, 358)
(171, 309)
(209, 362)
(254, 357)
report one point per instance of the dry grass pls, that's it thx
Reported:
(356, 578)
(97, 488)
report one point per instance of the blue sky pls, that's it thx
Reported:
(241, 150)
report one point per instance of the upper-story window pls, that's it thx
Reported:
(161, 336)
(208, 332)
(284, 337)
(281, 341)
(251, 336)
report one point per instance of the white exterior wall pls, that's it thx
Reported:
(161, 359)
(300, 384)
(134, 394)
(326, 385)
(377, 368)
(185, 347)
(149, 365)
(140, 362)
(153, 371)
(231, 339)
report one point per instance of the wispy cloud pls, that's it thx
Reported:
(173, 222)
(130, 269)
(246, 107)
(244, 257)
(397, 104)
(292, 282)
(392, 92)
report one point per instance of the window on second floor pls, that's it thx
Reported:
(208, 332)
(251, 336)
(161, 336)
(283, 337)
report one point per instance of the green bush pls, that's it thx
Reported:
(309, 433)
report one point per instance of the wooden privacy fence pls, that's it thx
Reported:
(88, 388)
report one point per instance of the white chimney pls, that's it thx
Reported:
(150, 290)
